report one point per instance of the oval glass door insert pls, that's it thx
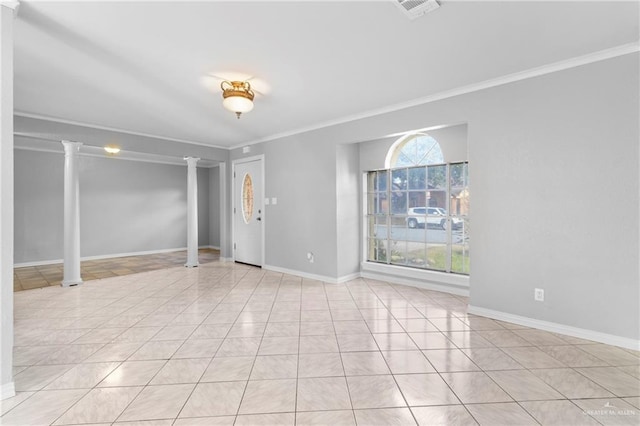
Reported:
(247, 198)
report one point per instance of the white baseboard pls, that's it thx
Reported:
(349, 277)
(7, 390)
(376, 276)
(107, 256)
(323, 278)
(553, 327)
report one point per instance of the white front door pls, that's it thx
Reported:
(248, 211)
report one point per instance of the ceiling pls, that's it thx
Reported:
(145, 67)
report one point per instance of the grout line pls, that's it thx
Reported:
(221, 343)
(255, 356)
(182, 300)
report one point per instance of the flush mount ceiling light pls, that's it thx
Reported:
(238, 96)
(112, 149)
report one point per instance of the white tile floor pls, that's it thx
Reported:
(227, 344)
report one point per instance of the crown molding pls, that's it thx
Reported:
(122, 158)
(111, 129)
(577, 61)
(601, 55)
(14, 5)
(126, 156)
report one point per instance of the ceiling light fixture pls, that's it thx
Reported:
(238, 96)
(112, 149)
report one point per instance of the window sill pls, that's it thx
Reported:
(430, 280)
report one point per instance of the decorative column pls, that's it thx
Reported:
(8, 11)
(71, 215)
(192, 212)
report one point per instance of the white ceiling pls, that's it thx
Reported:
(141, 66)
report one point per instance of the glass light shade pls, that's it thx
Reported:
(237, 104)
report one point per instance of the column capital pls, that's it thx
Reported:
(191, 161)
(70, 147)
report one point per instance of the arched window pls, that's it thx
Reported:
(417, 208)
(416, 149)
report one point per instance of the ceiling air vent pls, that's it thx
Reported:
(415, 8)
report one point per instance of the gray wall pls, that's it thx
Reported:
(549, 158)
(125, 206)
(302, 176)
(348, 209)
(452, 141)
(38, 206)
(554, 181)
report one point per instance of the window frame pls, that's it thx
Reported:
(375, 215)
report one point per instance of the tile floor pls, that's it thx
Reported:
(228, 344)
(30, 277)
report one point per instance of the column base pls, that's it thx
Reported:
(191, 265)
(7, 390)
(71, 283)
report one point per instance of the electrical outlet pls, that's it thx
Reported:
(538, 295)
(310, 257)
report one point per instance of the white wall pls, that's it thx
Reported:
(6, 202)
(214, 206)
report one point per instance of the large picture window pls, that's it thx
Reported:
(418, 216)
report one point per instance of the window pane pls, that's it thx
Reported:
(436, 218)
(417, 199)
(460, 249)
(437, 177)
(398, 227)
(418, 149)
(399, 252)
(437, 256)
(377, 250)
(438, 198)
(399, 202)
(436, 235)
(418, 232)
(372, 182)
(418, 178)
(459, 199)
(371, 226)
(399, 179)
(416, 254)
(458, 175)
(382, 180)
(377, 203)
(377, 226)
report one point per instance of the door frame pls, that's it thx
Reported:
(260, 158)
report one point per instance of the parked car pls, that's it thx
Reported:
(432, 217)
